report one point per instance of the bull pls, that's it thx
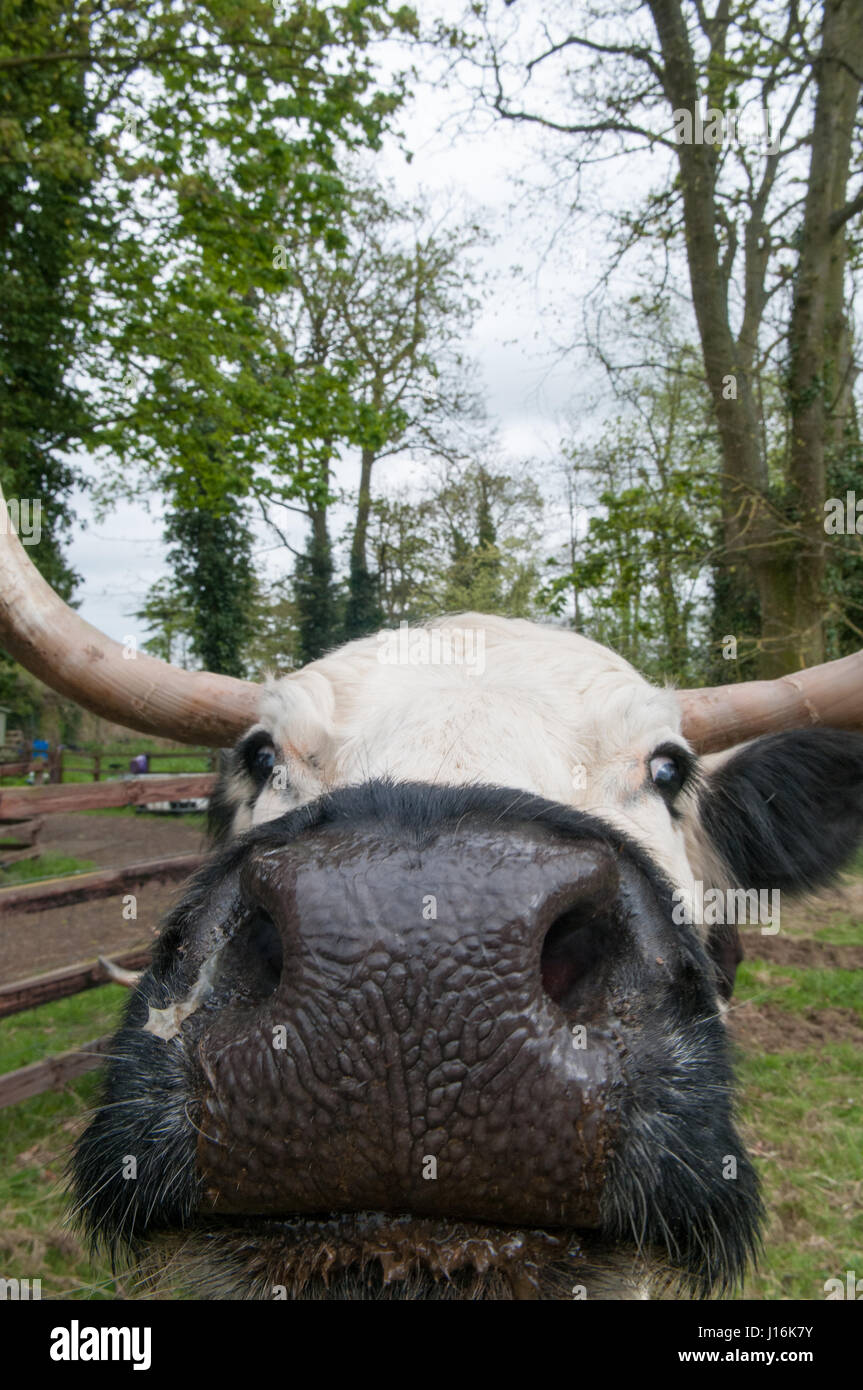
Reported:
(439, 1018)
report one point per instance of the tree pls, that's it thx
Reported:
(403, 557)
(412, 308)
(47, 165)
(149, 161)
(271, 644)
(642, 572)
(469, 540)
(195, 135)
(170, 620)
(633, 82)
(369, 339)
(49, 157)
(274, 643)
(211, 558)
(237, 144)
(488, 522)
(316, 594)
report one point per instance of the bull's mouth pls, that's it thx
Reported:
(375, 1256)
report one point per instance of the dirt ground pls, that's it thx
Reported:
(32, 943)
(768, 1027)
(823, 910)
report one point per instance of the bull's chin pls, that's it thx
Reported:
(371, 1256)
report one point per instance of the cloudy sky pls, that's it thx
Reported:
(530, 390)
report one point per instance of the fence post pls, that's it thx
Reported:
(97, 767)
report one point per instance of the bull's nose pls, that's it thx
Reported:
(430, 1027)
(570, 914)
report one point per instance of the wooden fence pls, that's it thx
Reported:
(63, 761)
(24, 807)
(22, 803)
(99, 764)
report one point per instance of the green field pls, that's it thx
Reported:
(802, 1112)
(35, 1237)
(43, 866)
(78, 764)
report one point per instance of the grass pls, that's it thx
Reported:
(36, 1033)
(36, 1240)
(802, 1113)
(842, 932)
(799, 990)
(78, 764)
(803, 1117)
(45, 866)
(83, 771)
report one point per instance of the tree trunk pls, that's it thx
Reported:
(317, 617)
(784, 555)
(363, 612)
(752, 538)
(819, 356)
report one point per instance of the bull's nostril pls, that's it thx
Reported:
(251, 962)
(574, 950)
(265, 944)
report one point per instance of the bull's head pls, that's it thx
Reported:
(439, 1019)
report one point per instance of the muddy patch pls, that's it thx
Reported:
(825, 909)
(804, 952)
(770, 1028)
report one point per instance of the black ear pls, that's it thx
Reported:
(786, 811)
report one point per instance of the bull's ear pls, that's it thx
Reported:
(786, 811)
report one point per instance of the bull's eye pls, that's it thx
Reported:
(667, 774)
(260, 757)
(265, 760)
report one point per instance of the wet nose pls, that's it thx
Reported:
(434, 1030)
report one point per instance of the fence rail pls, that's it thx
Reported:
(101, 883)
(14, 769)
(19, 803)
(52, 1072)
(60, 761)
(20, 811)
(70, 760)
(61, 984)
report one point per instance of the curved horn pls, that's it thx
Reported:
(721, 715)
(56, 644)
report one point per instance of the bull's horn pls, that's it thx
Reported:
(120, 976)
(722, 715)
(71, 656)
